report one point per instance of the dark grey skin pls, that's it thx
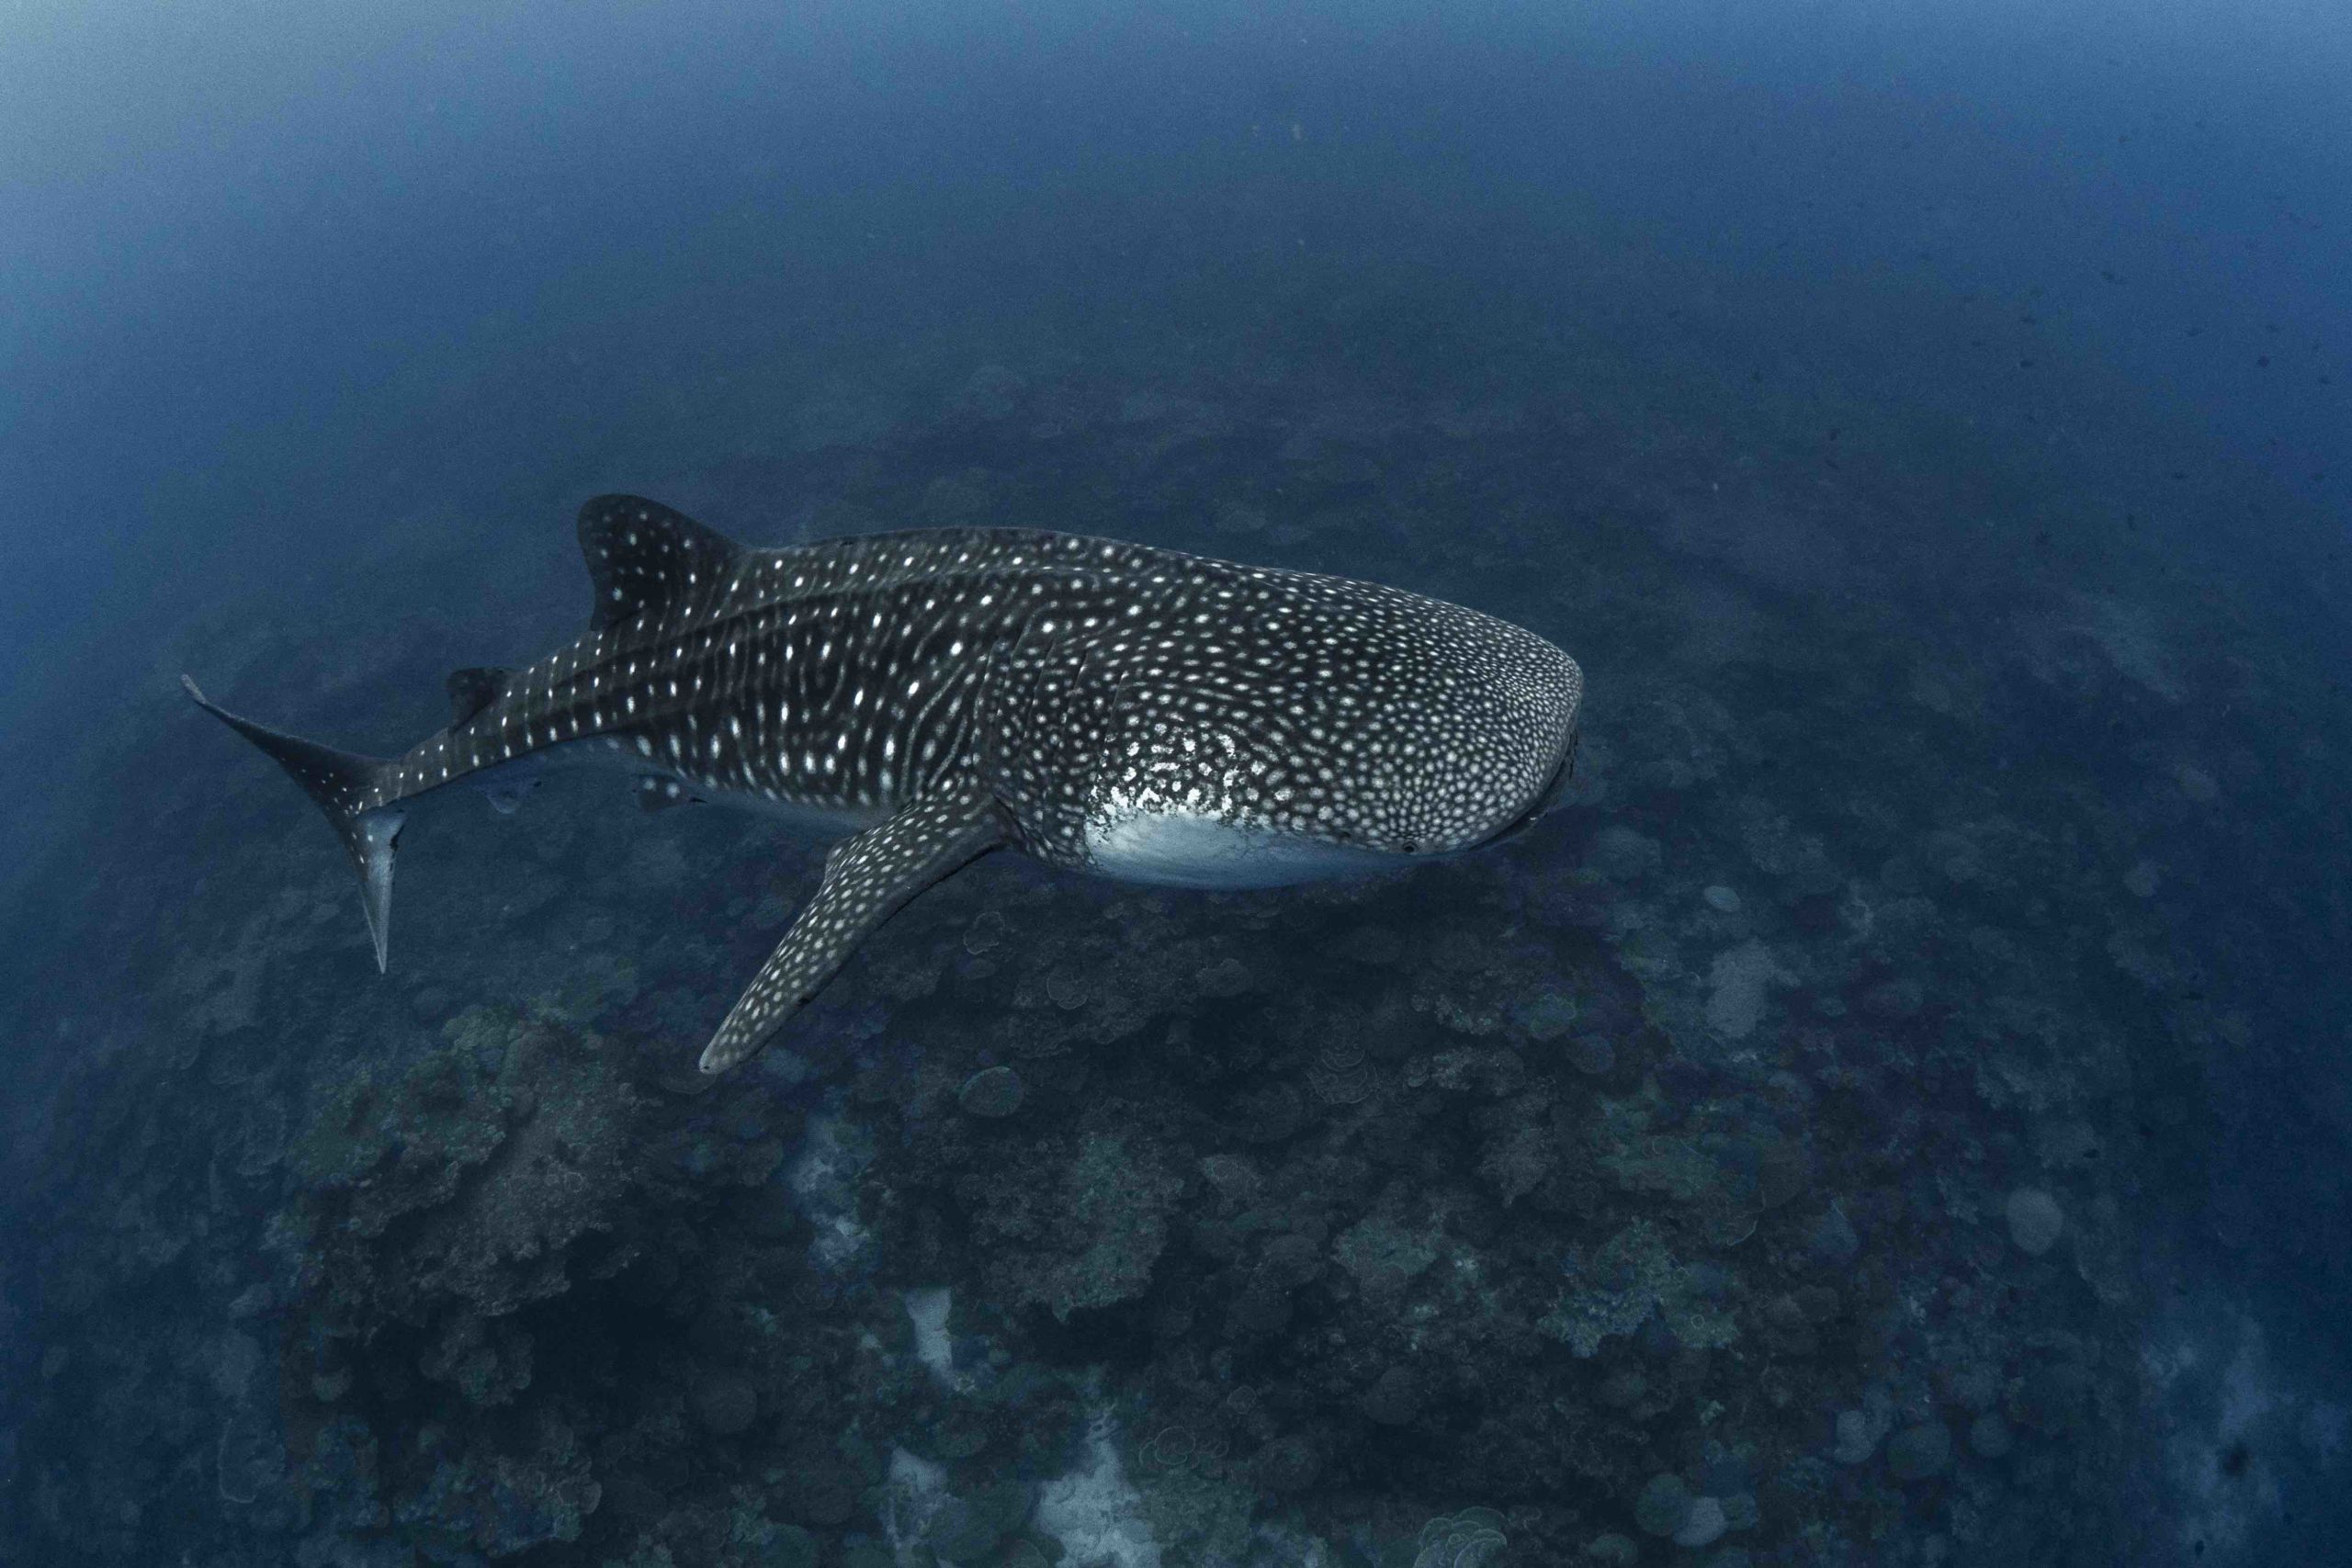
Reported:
(1136, 713)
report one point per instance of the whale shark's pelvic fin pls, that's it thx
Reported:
(343, 785)
(868, 878)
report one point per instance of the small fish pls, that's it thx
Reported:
(1136, 713)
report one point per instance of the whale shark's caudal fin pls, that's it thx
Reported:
(339, 782)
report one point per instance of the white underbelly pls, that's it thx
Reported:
(1177, 850)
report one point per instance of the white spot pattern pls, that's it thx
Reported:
(1070, 686)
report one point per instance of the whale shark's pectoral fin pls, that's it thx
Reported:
(868, 878)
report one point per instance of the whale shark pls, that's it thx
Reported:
(928, 697)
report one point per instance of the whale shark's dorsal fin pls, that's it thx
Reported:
(641, 556)
(470, 690)
(343, 785)
(868, 876)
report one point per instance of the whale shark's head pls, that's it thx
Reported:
(1521, 698)
(1556, 794)
(1371, 733)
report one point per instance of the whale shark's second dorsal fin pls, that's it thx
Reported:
(642, 555)
(470, 690)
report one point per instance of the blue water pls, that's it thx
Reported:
(1926, 424)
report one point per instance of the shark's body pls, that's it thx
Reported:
(1108, 707)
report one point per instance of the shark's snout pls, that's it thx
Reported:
(1554, 794)
(1534, 709)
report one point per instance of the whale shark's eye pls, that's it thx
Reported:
(1411, 848)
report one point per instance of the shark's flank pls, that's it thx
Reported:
(1137, 713)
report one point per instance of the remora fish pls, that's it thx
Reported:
(1137, 713)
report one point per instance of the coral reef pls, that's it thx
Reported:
(1740, 1164)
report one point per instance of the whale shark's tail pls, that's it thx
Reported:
(341, 783)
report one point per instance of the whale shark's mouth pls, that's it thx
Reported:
(1555, 790)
